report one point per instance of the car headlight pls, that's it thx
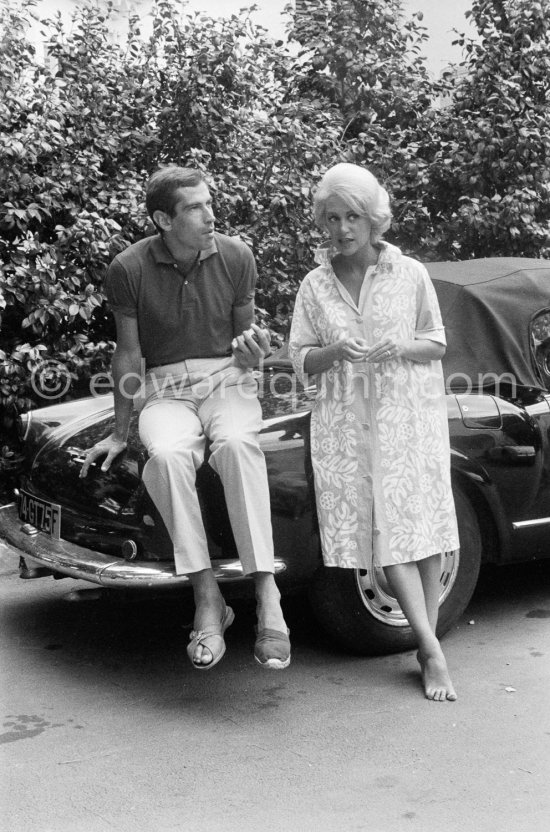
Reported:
(31, 431)
(23, 425)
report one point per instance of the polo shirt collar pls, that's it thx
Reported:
(161, 253)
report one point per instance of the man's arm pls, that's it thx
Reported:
(243, 317)
(127, 371)
(251, 343)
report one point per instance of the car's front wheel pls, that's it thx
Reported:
(357, 609)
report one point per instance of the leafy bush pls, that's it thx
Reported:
(489, 180)
(362, 59)
(81, 132)
(74, 150)
(229, 105)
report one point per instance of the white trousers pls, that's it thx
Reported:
(183, 405)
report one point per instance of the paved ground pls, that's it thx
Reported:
(107, 727)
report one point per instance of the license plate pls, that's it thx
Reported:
(44, 516)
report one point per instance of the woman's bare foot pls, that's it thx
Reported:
(435, 676)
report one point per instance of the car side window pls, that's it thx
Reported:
(540, 344)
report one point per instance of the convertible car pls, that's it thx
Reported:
(104, 529)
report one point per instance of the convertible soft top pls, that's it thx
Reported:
(487, 306)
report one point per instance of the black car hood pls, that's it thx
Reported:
(55, 470)
(105, 508)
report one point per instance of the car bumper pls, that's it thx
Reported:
(61, 557)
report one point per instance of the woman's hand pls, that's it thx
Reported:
(420, 350)
(320, 359)
(383, 351)
(352, 349)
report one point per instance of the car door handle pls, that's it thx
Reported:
(515, 454)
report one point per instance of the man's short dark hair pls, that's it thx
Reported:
(162, 187)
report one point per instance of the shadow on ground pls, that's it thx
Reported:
(114, 629)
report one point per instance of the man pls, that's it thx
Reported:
(183, 302)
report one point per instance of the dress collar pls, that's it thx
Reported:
(389, 254)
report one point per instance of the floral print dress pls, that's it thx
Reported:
(379, 432)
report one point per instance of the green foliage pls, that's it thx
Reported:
(489, 182)
(81, 131)
(74, 147)
(228, 106)
(363, 60)
(465, 158)
(80, 134)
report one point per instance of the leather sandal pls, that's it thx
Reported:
(272, 649)
(212, 639)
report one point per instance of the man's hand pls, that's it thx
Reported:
(251, 347)
(110, 447)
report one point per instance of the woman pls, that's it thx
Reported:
(367, 324)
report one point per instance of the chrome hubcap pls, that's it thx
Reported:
(377, 597)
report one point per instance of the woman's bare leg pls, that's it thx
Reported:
(415, 588)
(430, 575)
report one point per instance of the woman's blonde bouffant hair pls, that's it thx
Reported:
(360, 190)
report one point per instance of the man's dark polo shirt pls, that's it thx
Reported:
(182, 316)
